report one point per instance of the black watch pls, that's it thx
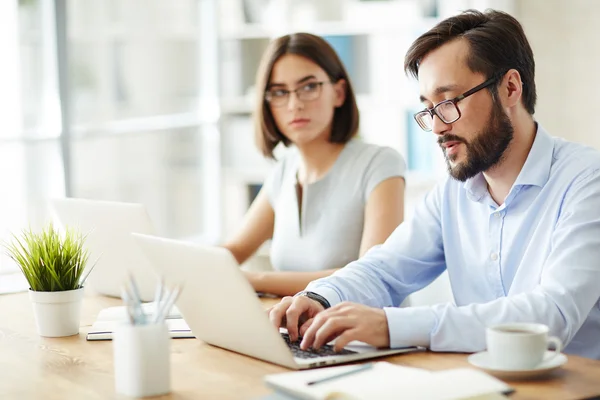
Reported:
(316, 297)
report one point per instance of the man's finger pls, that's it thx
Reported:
(309, 334)
(277, 312)
(293, 313)
(333, 327)
(305, 326)
(346, 337)
(273, 316)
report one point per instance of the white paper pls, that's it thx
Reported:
(109, 318)
(119, 313)
(389, 381)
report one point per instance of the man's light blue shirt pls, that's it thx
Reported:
(535, 258)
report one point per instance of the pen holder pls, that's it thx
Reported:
(142, 360)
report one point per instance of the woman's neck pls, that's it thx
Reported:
(317, 158)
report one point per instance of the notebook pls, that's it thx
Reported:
(110, 317)
(389, 381)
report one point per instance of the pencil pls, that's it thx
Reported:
(341, 374)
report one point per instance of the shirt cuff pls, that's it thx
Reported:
(411, 326)
(330, 294)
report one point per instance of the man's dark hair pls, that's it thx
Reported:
(497, 43)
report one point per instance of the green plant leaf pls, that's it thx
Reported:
(49, 260)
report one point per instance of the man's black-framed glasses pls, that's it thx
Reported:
(309, 91)
(447, 110)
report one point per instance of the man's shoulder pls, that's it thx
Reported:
(574, 158)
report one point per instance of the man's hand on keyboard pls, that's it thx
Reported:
(295, 314)
(346, 322)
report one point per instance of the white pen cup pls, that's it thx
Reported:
(520, 346)
(142, 359)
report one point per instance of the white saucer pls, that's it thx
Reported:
(482, 360)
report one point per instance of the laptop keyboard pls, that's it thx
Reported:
(326, 350)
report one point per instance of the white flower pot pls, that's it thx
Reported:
(57, 313)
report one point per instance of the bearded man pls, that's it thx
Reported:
(516, 224)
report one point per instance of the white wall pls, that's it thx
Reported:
(563, 35)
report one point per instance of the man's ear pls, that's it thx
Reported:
(340, 92)
(511, 89)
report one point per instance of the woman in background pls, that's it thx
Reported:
(331, 197)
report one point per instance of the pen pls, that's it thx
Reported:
(171, 297)
(157, 298)
(126, 300)
(341, 374)
(137, 301)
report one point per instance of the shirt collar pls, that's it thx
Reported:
(535, 171)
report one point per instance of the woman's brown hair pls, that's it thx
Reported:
(316, 49)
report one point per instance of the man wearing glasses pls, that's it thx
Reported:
(516, 224)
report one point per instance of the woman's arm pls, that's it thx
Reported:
(384, 211)
(284, 283)
(257, 227)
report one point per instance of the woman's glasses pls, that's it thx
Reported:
(278, 97)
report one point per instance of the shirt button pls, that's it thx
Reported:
(497, 214)
(494, 256)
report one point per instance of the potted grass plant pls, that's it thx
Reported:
(53, 264)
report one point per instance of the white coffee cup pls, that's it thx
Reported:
(520, 346)
(142, 359)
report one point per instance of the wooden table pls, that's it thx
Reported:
(33, 367)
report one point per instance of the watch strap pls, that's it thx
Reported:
(316, 297)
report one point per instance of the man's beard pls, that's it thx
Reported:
(484, 151)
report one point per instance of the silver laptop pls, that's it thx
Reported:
(222, 309)
(109, 226)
